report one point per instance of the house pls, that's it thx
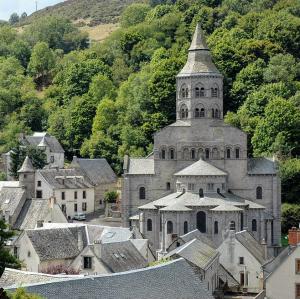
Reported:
(100, 174)
(282, 274)
(243, 257)
(172, 280)
(199, 175)
(89, 249)
(204, 260)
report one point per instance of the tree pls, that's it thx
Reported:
(111, 196)
(41, 63)
(14, 18)
(290, 216)
(20, 293)
(6, 259)
(134, 14)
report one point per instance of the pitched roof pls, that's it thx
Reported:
(97, 170)
(196, 252)
(173, 280)
(10, 198)
(141, 166)
(122, 256)
(60, 243)
(16, 278)
(252, 245)
(36, 138)
(66, 178)
(196, 234)
(26, 166)
(200, 168)
(262, 166)
(226, 276)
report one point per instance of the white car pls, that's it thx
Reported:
(79, 216)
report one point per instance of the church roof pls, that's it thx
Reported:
(141, 166)
(200, 168)
(199, 57)
(261, 166)
(26, 166)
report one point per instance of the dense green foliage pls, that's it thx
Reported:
(111, 196)
(6, 259)
(21, 293)
(108, 100)
(290, 216)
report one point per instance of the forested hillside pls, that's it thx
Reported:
(108, 100)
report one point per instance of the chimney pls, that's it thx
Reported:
(294, 236)
(265, 248)
(52, 202)
(80, 240)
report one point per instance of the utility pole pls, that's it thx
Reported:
(36, 5)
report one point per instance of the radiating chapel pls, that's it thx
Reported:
(199, 174)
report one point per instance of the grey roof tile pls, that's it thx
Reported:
(196, 234)
(10, 198)
(141, 166)
(26, 166)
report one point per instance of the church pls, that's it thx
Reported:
(199, 175)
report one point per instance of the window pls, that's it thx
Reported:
(168, 186)
(39, 183)
(201, 194)
(242, 279)
(197, 92)
(217, 113)
(186, 93)
(228, 154)
(52, 159)
(237, 153)
(191, 186)
(39, 194)
(207, 153)
(201, 221)
(28, 253)
(223, 186)
(214, 92)
(259, 192)
(213, 113)
(142, 193)
(241, 260)
(185, 227)
(215, 153)
(254, 225)
(172, 154)
(202, 92)
(100, 202)
(63, 208)
(75, 194)
(216, 227)
(184, 113)
(202, 112)
(84, 194)
(25, 176)
(149, 225)
(84, 206)
(297, 264)
(75, 207)
(297, 291)
(197, 113)
(87, 262)
(210, 186)
(163, 154)
(169, 227)
(193, 154)
(232, 225)
(63, 195)
(218, 190)
(183, 92)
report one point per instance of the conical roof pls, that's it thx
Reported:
(199, 57)
(27, 166)
(43, 142)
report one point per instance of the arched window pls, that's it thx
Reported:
(168, 186)
(201, 193)
(184, 113)
(206, 153)
(259, 192)
(201, 222)
(216, 227)
(215, 153)
(237, 153)
(217, 113)
(172, 154)
(218, 190)
(214, 92)
(213, 113)
(201, 153)
(254, 225)
(202, 92)
(142, 193)
(163, 154)
(193, 154)
(232, 225)
(183, 88)
(186, 93)
(228, 153)
(197, 92)
(149, 225)
(202, 112)
(197, 113)
(185, 227)
(169, 227)
(186, 154)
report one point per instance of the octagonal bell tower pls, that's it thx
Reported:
(199, 84)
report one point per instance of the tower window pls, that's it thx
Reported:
(202, 112)
(172, 154)
(216, 227)
(217, 113)
(142, 193)
(202, 92)
(168, 186)
(197, 113)
(237, 153)
(169, 227)
(186, 93)
(214, 92)
(207, 153)
(259, 192)
(197, 92)
(193, 154)
(201, 193)
(163, 154)
(254, 225)
(232, 225)
(228, 154)
(184, 112)
(213, 113)
(149, 225)
(183, 92)
(185, 227)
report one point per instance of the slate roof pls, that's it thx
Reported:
(122, 256)
(140, 166)
(196, 252)
(227, 277)
(201, 168)
(26, 166)
(36, 138)
(52, 244)
(66, 178)
(10, 198)
(32, 211)
(252, 245)
(115, 234)
(262, 166)
(173, 280)
(97, 170)
(196, 234)
(16, 278)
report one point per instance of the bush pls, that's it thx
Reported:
(111, 196)
(290, 216)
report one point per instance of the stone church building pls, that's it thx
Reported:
(199, 174)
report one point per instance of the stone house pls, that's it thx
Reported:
(243, 257)
(199, 174)
(282, 274)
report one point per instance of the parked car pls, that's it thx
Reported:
(79, 216)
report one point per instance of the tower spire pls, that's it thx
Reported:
(199, 41)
